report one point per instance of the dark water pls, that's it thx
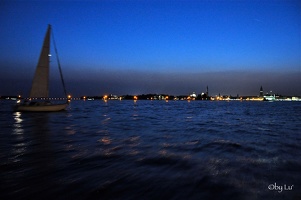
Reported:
(152, 150)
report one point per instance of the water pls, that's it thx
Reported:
(152, 150)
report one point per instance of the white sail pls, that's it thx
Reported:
(40, 84)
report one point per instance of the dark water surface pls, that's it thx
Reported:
(152, 150)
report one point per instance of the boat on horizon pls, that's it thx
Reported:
(39, 93)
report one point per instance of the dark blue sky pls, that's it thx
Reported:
(175, 47)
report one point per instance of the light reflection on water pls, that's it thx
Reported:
(18, 123)
(152, 150)
(19, 148)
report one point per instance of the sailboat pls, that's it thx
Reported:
(39, 93)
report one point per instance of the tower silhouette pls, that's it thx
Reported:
(261, 92)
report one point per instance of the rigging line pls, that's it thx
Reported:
(59, 64)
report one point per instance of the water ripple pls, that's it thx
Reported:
(151, 150)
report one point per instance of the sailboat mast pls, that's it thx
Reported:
(40, 84)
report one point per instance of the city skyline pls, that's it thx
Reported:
(174, 47)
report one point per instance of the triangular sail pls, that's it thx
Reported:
(40, 84)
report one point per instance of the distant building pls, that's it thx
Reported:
(261, 92)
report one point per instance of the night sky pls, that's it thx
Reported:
(173, 47)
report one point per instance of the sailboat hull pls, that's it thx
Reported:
(41, 108)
